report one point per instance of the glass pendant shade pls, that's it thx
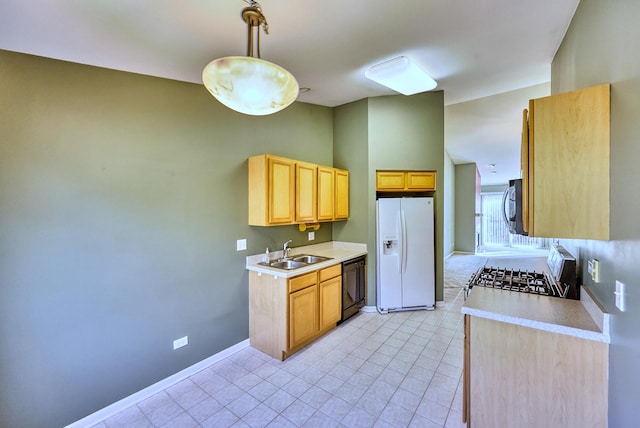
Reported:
(250, 85)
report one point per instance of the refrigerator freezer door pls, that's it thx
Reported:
(418, 276)
(388, 249)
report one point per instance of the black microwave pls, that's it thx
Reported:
(512, 207)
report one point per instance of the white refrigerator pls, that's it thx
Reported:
(405, 254)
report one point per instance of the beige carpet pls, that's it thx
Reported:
(458, 268)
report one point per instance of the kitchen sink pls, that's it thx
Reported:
(309, 259)
(287, 264)
(298, 261)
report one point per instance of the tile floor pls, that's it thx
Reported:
(397, 370)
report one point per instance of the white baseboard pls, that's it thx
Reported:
(368, 309)
(157, 387)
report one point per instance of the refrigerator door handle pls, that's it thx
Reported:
(400, 240)
(403, 233)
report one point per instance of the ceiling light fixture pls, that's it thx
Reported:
(401, 75)
(248, 84)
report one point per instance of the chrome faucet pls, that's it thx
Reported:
(286, 249)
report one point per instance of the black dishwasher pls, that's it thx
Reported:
(353, 286)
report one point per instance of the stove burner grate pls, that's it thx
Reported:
(517, 280)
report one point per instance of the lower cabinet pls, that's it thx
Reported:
(303, 309)
(517, 376)
(287, 314)
(330, 296)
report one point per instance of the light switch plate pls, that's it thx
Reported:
(241, 244)
(312, 236)
(620, 295)
(593, 267)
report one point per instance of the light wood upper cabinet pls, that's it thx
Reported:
(342, 194)
(285, 191)
(326, 183)
(271, 190)
(566, 172)
(306, 191)
(405, 181)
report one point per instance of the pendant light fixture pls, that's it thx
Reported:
(249, 84)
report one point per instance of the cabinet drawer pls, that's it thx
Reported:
(330, 272)
(302, 281)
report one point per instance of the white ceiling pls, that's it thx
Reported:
(472, 48)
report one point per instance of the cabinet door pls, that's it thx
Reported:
(390, 180)
(342, 194)
(524, 169)
(281, 190)
(303, 315)
(466, 376)
(325, 193)
(421, 180)
(569, 165)
(306, 187)
(330, 302)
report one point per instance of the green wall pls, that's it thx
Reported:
(391, 132)
(465, 208)
(121, 200)
(407, 133)
(351, 152)
(449, 206)
(601, 46)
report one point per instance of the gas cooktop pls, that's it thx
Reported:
(517, 280)
(560, 283)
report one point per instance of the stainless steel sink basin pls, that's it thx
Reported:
(309, 259)
(285, 264)
(301, 260)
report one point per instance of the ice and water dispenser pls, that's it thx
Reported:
(390, 245)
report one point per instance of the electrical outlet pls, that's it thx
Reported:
(241, 244)
(312, 236)
(179, 343)
(620, 295)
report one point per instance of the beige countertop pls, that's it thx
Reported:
(580, 318)
(338, 252)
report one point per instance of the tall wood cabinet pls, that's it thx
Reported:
(565, 164)
(286, 191)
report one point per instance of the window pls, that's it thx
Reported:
(494, 232)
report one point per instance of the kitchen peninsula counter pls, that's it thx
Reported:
(535, 358)
(579, 318)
